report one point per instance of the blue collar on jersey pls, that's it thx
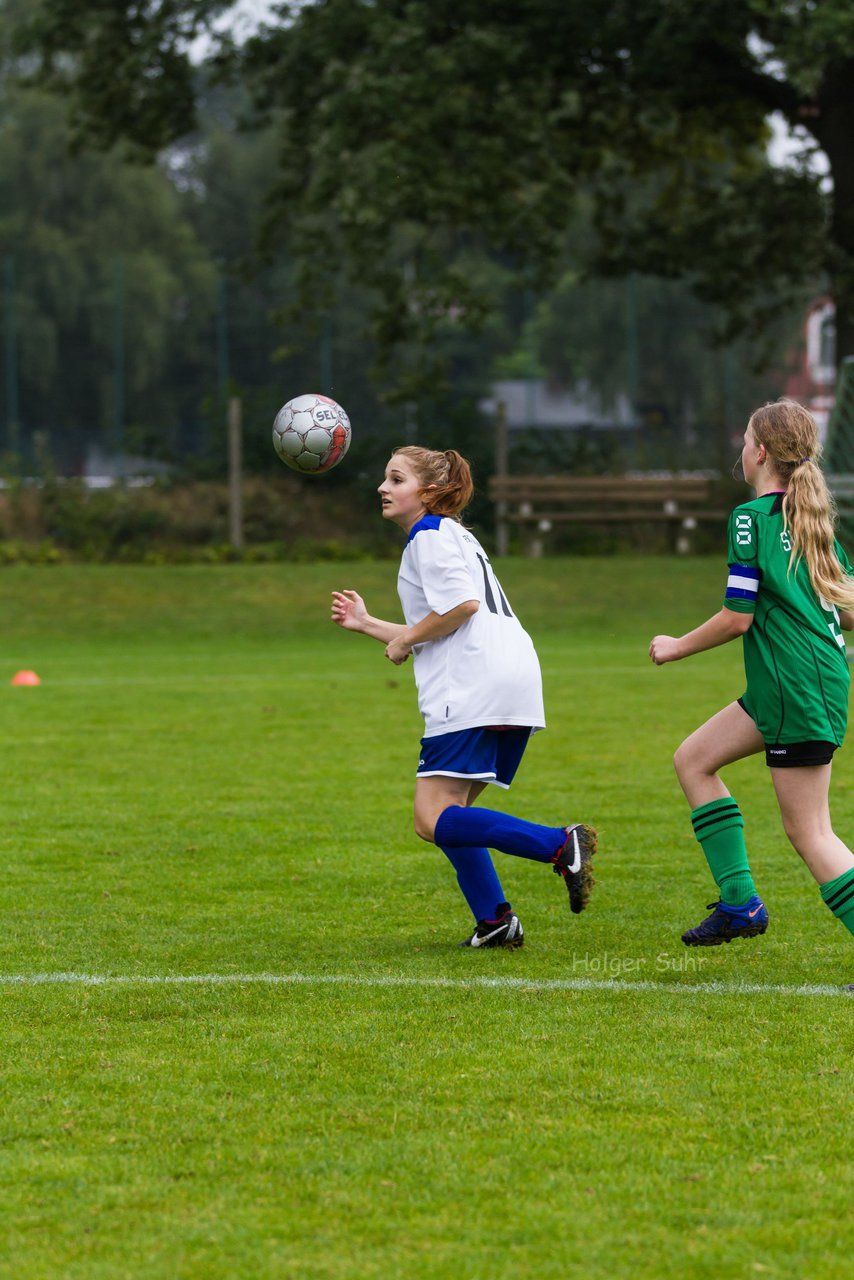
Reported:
(426, 522)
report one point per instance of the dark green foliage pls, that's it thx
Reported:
(440, 190)
(425, 129)
(408, 134)
(127, 64)
(96, 242)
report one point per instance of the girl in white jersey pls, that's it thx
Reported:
(479, 691)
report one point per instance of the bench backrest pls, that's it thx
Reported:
(599, 489)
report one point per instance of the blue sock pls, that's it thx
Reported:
(458, 826)
(477, 879)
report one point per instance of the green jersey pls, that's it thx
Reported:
(794, 652)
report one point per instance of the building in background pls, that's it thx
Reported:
(533, 403)
(812, 378)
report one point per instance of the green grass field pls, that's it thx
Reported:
(238, 1037)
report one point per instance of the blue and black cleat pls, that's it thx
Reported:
(505, 931)
(726, 923)
(573, 861)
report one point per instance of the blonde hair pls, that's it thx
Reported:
(446, 483)
(790, 437)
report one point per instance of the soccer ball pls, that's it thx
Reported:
(311, 434)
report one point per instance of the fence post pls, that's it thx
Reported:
(501, 538)
(235, 472)
(11, 345)
(119, 391)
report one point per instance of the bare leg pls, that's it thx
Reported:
(475, 789)
(434, 795)
(476, 875)
(728, 736)
(802, 796)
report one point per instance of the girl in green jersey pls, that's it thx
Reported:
(790, 594)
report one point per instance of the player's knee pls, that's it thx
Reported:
(790, 828)
(690, 761)
(804, 837)
(424, 826)
(682, 759)
(803, 846)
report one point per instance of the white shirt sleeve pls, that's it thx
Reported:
(445, 578)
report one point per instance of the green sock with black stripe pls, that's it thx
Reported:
(719, 827)
(838, 894)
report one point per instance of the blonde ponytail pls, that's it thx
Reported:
(790, 437)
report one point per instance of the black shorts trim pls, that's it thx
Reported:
(798, 755)
(795, 755)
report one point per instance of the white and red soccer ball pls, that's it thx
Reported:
(311, 434)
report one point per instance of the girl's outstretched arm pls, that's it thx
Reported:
(723, 627)
(349, 612)
(431, 627)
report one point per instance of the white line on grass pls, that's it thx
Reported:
(166, 680)
(193, 677)
(714, 988)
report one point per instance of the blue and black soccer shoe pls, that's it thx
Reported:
(726, 923)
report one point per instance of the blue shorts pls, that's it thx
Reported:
(484, 755)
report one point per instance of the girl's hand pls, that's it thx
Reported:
(664, 649)
(397, 651)
(348, 610)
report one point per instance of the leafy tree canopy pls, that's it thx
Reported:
(88, 234)
(125, 66)
(413, 130)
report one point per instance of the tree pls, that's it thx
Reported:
(481, 122)
(412, 128)
(96, 243)
(752, 229)
(125, 66)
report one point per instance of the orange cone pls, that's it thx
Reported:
(25, 677)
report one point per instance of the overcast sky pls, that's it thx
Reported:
(241, 20)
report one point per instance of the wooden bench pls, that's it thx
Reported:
(537, 503)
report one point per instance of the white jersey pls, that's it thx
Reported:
(486, 672)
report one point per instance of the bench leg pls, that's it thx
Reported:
(683, 540)
(535, 546)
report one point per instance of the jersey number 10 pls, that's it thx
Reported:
(490, 581)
